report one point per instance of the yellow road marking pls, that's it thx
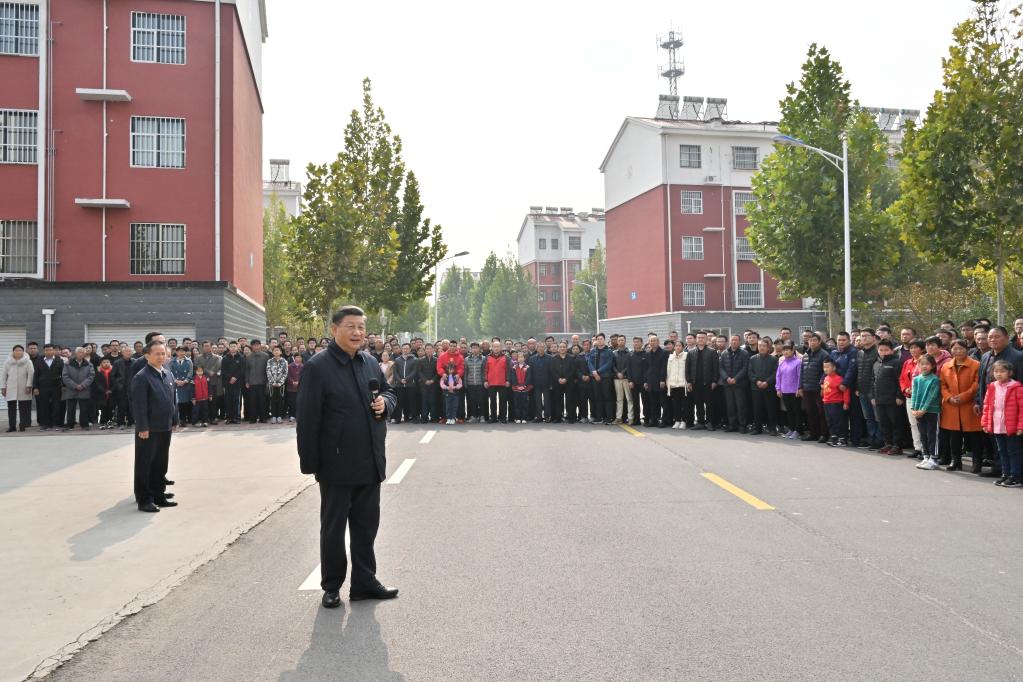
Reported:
(633, 431)
(751, 500)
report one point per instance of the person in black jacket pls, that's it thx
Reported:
(734, 373)
(563, 375)
(655, 383)
(763, 369)
(540, 363)
(635, 372)
(810, 375)
(48, 371)
(122, 386)
(866, 356)
(341, 429)
(584, 383)
(232, 374)
(155, 411)
(888, 398)
(702, 370)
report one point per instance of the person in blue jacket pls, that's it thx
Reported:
(156, 414)
(600, 363)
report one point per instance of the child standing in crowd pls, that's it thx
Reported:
(522, 386)
(201, 397)
(835, 397)
(786, 382)
(1003, 419)
(450, 385)
(105, 400)
(276, 376)
(294, 376)
(925, 406)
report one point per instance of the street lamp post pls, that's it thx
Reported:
(842, 164)
(596, 301)
(436, 291)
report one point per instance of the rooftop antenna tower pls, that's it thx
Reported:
(675, 68)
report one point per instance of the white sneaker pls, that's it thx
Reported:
(931, 464)
(676, 425)
(681, 426)
(922, 464)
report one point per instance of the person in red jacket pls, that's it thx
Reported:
(496, 382)
(835, 397)
(451, 354)
(1003, 419)
(200, 397)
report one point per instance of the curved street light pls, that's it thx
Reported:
(596, 301)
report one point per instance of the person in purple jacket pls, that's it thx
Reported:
(786, 383)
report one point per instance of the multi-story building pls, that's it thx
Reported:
(677, 189)
(280, 187)
(130, 169)
(554, 245)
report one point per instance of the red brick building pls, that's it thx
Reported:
(130, 171)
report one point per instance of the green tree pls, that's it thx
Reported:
(583, 308)
(455, 291)
(510, 306)
(962, 183)
(479, 292)
(412, 319)
(796, 225)
(278, 289)
(361, 237)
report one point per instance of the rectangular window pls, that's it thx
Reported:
(18, 136)
(556, 295)
(750, 295)
(742, 200)
(575, 243)
(690, 155)
(574, 268)
(743, 251)
(18, 244)
(745, 158)
(692, 248)
(556, 269)
(554, 244)
(19, 31)
(592, 251)
(542, 245)
(542, 295)
(157, 38)
(157, 142)
(157, 249)
(543, 270)
(804, 329)
(692, 202)
(693, 294)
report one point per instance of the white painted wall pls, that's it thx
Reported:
(634, 165)
(716, 157)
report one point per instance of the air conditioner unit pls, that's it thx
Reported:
(710, 178)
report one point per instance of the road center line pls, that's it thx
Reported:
(633, 431)
(427, 437)
(313, 581)
(754, 502)
(400, 472)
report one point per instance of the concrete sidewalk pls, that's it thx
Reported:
(78, 556)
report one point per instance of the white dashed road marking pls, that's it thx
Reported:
(427, 437)
(400, 472)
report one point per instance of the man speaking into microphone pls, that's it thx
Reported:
(341, 424)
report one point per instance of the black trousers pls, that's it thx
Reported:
(84, 407)
(255, 406)
(735, 402)
(292, 397)
(891, 425)
(201, 412)
(277, 401)
(185, 413)
(640, 404)
(48, 408)
(14, 407)
(406, 403)
(233, 401)
(558, 395)
(476, 397)
(793, 412)
(105, 409)
(678, 406)
(816, 422)
(542, 402)
(701, 402)
(765, 408)
(604, 399)
(658, 406)
(356, 507)
(718, 408)
(151, 460)
(123, 410)
(578, 401)
(498, 397)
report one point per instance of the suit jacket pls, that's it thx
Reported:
(48, 379)
(338, 438)
(153, 406)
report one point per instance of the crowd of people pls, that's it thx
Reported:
(935, 398)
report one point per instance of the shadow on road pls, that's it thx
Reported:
(26, 459)
(116, 524)
(344, 646)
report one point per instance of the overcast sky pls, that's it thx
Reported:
(498, 111)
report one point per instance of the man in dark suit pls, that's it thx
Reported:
(156, 413)
(341, 428)
(48, 372)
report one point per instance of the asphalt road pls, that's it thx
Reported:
(591, 553)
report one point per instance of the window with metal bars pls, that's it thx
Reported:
(742, 200)
(692, 202)
(157, 38)
(157, 142)
(542, 270)
(19, 29)
(18, 136)
(689, 156)
(542, 244)
(554, 244)
(693, 294)
(157, 249)
(743, 251)
(575, 243)
(692, 248)
(745, 158)
(18, 247)
(750, 295)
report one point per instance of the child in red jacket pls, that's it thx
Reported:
(836, 404)
(200, 397)
(521, 386)
(1003, 419)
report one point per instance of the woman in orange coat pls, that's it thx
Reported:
(960, 425)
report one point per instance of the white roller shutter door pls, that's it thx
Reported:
(104, 333)
(9, 336)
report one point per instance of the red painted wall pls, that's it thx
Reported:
(637, 256)
(18, 181)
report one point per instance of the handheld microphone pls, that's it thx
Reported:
(374, 392)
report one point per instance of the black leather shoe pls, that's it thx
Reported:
(165, 503)
(378, 592)
(331, 599)
(167, 481)
(148, 507)
(169, 496)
